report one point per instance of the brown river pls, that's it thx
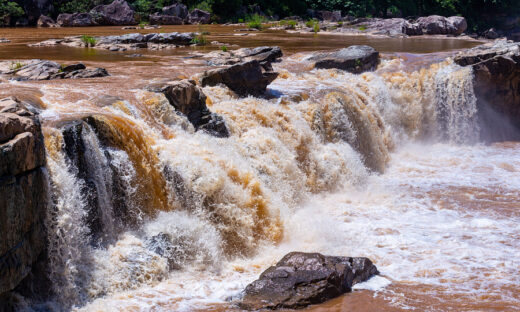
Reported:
(442, 222)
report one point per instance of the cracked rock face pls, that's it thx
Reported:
(23, 189)
(301, 279)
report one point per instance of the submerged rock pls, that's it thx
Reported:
(496, 68)
(354, 59)
(246, 78)
(301, 279)
(189, 99)
(47, 70)
(23, 192)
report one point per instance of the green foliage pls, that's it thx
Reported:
(10, 8)
(143, 24)
(290, 23)
(314, 24)
(89, 41)
(16, 65)
(255, 21)
(224, 48)
(362, 28)
(240, 20)
(200, 40)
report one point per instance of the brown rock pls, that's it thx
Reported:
(45, 21)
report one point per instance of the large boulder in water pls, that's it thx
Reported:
(246, 78)
(301, 279)
(23, 193)
(75, 20)
(116, 13)
(354, 59)
(189, 99)
(496, 68)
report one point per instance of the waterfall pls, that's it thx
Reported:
(138, 195)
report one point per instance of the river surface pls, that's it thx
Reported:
(441, 220)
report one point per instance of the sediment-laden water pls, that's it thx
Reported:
(148, 214)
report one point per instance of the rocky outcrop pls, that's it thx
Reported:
(177, 9)
(75, 20)
(301, 279)
(160, 19)
(117, 13)
(246, 78)
(354, 59)
(440, 25)
(496, 68)
(187, 98)
(23, 190)
(264, 55)
(199, 17)
(46, 22)
(48, 70)
(330, 16)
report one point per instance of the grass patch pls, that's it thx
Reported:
(314, 24)
(224, 48)
(255, 21)
(143, 24)
(291, 24)
(89, 41)
(16, 65)
(362, 28)
(199, 40)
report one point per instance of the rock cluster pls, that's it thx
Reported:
(23, 190)
(496, 69)
(177, 14)
(354, 59)
(48, 70)
(114, 14)
(46, 22)
(301, 279)
(187, 98)
(250, 72)
(153, 41)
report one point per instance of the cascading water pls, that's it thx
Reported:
(142, 201)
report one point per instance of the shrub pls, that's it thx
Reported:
(255, 21)
(10, 8)
(292, 24)
(142, 24)
(224, 48)
(199, 40)
(16, 66)
(362, 28)
(89, 41)
(314, 24)
(240, 20)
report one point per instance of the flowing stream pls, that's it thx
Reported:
(149, 215)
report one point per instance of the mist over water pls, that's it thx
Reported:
(149, 214)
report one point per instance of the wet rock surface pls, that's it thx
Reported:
(23, 189)
(496, 68)
(187, 98)
(47, 70)
(301, 279)
(354, 59)
(152, 41)
(246, 78)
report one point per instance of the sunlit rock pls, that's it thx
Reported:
(354, 59)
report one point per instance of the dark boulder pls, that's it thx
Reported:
(329, 16)
(246, 78)
(177, 9)
(496, 70)
(75, 20)
(354, 59)
(491, 33)
(45, 22)
(117, 13)
(159, 19)
(170, 38)
(187, 98)
(198, 17)
(301, 279)
(23, 193)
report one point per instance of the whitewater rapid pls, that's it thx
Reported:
(385, 165)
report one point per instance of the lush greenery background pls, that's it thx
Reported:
(480, 13)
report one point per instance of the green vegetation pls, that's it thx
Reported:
(240, 20)
(16, 65)
(200, 40)
(143, 24)
(255, 21)
(9, 8)
(291, 24)
(89, 41)
(314, 24)
(362, 28)
(224, 48)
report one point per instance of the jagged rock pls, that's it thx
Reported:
(45, 22)
(117, 13)
(354, 59)
(301, 279)
(189, 99)
(177, 9)
(75, 20)
(159, 19)
(47, 70)
(330, 16)
(23, 190)
(496, 69)
(246, 78)
(491, 33)
(198, 17)
(456, 25)
(264, 55)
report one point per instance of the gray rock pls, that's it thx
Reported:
(4, 40)
(75, 20)
(117, 13)
(198, 17)
(160, 19)
(491, 33)
(187, 98)
(47, 70)
(177, 9)
(301, 279)
(246, 78)
(329, 16)
(46, 22)
(456, 25)
(23, 190)
(354, 59)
